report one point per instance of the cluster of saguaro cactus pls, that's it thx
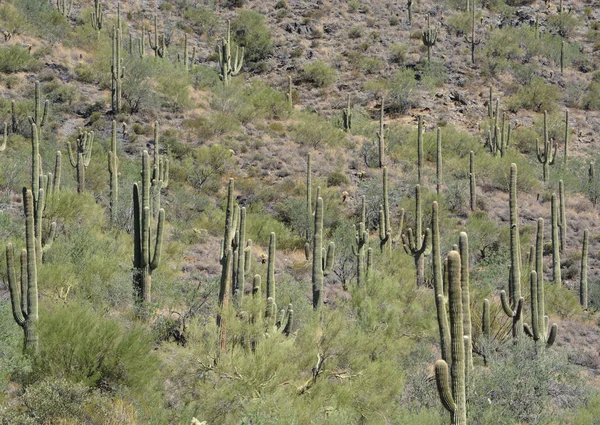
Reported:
(547, 155)
(513, 306)
(144, 261)
(347, 117)
(97, 17)
(113, 169)
(429, 37)
(417, 244)
(539, 321)
(473, 42)
(583, 279)
(452, 387)
(381, 136)
(229, 67)
(322, 260)
(117, 71)
(64, 7)
(24, 292)
(159, 46)
(80, 159)
(499, 140)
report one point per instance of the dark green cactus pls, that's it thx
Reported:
(583, 277)
(80, 159)
(485, 319)
(463, 249)
(429, 37)
(513, 306)
(113, 169)
(160, 173)
(159, 46)
(40, 113)
(226, 258)
(592, 184)
(438, 168)
(409, 4)
(491, 105)
(562, 56)
(381, 135)
(472, 183)
(271, 275)
(309, 206)
(144, 261)
(452, 387)
(556, 276)
(117, 71)
(562, 215)
(385, 226)
(289, 94)
(369, 270)
(473, 42)
(418, 244)
(420, 150)
(322, 264)
(438, 284)
(539, 320)
(566, 137)
(97, 17)
(228, 67)
(64, 7)
(546, 156)
(256, 286)
(362, 237)
(347, 117)
(188, 61)
(24, 293)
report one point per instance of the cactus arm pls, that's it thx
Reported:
(72, 159)
(442, 379)
(4, 138)
(506, 304)
(159, 240)
(485, 319)
(552, 335)
(15, 288)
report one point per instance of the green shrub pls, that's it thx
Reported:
(337, 178)
(539, 96)
(202, 19)
(250, 31)
(398, 53)
(206, 165)
(591, 98)
(319, 74)
(355, 32)
(563, 24)
(314, 130)
(17, 59)
(400, 91)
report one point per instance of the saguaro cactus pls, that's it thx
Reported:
(438, 168)
(380, 135)
(463, 250)
(566, 137)
(40, 113)
(539, 320)
(452, 387)
(309, 207)
(24, 293)
(83, 154)
(418, 245)
(555, 243)
(562, 215)
(438, 285)
(472, 183)
(385, 225)
(547, 156)
(160, 49)
(97, 17)
(583, 279)
(113, 169)
(473, 42)
(117, 71)
(271, 276)
(362, 236)
(144, 262)
(228, 67)
(320, 266)
(160, 173)
(420, 150)
(513, 306)
(347, 117)
(429, 38)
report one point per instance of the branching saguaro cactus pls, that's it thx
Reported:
(473, 42)
(321, 264)
(80, 160)
(145, 262)
(539, 320)
(583, 277)
(97, 17)
(64, 7)
(228, 67)
(548, 154)
(188, 61)
(347, 117)
(242, 258)
(556, 276)
(362, 237)
(381, 135)
(429, 37)
(417, 244)
(160, 48)
(513, 306)
(438, 285)
(472, 183)
(113, 169)
(160, 173)
(385, 224)
(117, 71)
(24, 293)
(452, 386)
(40, 113)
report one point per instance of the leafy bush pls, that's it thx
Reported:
(202, 19)
(249, 31)
(400, 89)
(319, 74)
(314, 130)
(398, 53)
(17, 59)
(539, 96)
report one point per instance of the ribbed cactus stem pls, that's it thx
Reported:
(81, 156)
(562, 215)
(317, 264)
(491, 105)
(562, 56)
(566, 137)
(583, 279)
(4, 138)
(463, 249)
(97, 18)
(113, 169)
(385, 226)
(472, 184)
(256, 286)
(381, 135)
(420, 149)
(485, 319)
(289, 93)
(309, 207)
(418, 245)
(593, 188)
(240, 265)
(369, 270)
(438, 285)
(452, 389)
(555, 243)
(548, 154)
(429, 37)
(358, 250)
(347, 117)
(438, 168)
(117, 71)
(271, 267)
(229, 68)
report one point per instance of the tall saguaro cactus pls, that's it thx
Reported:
(385, 224)
(113, 169)
(452, 386)
(472, 184)
(429, 37)
(438, 285)
(380, 135)
(160, 173)
(548, 154)
(24, 293)
(583, 279)
(117, 71)
(229, 67)
(97, 17)
(40, 113)
(320, 266)
(271, 277)
(362, 236)
(562, 215)
(80, 160)
(566, 137)
(160, 48)
(420, 150)
(473, 42)
(417, 244)
(144, 261)
(463, 250)
(438, 169)
(555, 243)
(346, 116)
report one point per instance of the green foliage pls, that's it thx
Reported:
(43, 19)
(314, 130)
(249, 31)
(17, 59)
(400, 90)
(398, 53)
(538, 96)
(319, 74)
(202, 19)
(563, 24)
(205, 166)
